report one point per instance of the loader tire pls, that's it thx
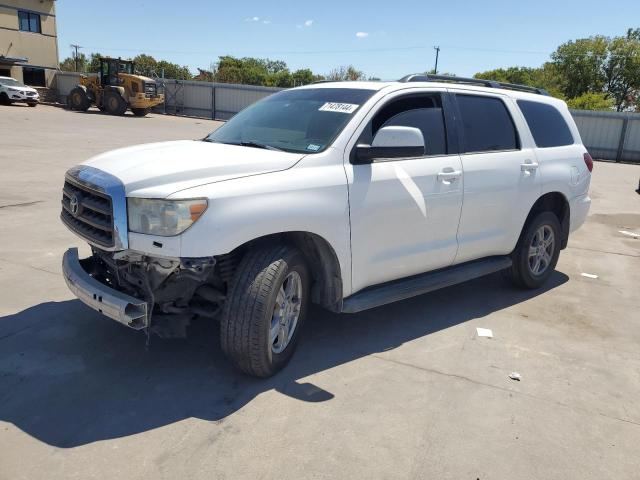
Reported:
(114, 104)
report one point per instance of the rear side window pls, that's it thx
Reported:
(486, 124)
(546, 124)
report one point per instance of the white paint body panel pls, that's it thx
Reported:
(384, 221)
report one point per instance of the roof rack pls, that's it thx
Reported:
(428, 77)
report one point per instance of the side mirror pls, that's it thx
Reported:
(392, 142)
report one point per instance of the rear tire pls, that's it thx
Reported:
(79, 100)
(536, 254)
(140, 112)
(265, 309)
(32, 104)
(114, 104)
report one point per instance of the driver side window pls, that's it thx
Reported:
(423, 112)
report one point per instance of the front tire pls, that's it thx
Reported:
(32, 104)
(265, 309)
(4, 99)
(114, 104)
(536, 254)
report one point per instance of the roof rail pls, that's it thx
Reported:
(428, 77)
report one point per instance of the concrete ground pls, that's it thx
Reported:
(403, 391)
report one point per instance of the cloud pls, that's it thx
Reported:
(362, 34)
(308, 23)
(252, 19)
(266, 22)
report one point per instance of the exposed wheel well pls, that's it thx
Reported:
(557, 203)
(326, 290)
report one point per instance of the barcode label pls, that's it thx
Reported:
(338, 107)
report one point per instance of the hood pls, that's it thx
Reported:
(22, 88)
(156, 170)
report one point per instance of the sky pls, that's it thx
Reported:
(385, 39)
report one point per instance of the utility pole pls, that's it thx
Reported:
(437, 49)
(76, 55)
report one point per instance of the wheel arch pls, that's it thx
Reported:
(557, 203)
(324, 265)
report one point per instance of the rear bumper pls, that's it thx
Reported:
(579, 209)
(116, 305)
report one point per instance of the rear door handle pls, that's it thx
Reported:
(528, 166)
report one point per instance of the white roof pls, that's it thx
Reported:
(392, 86)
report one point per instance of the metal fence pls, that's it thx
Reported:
(607, 135)
(610, 135)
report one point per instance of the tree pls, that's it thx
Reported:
(546, 77)
(69, 63)
(591, 101)
(149, 66)
(343, 73)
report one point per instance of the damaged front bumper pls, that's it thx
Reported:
(116, 305)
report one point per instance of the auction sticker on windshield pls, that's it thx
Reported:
(338, 107)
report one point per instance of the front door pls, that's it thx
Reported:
(405, 212)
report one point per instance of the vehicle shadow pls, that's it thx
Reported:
(69, 376)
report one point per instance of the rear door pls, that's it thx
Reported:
(501, 175)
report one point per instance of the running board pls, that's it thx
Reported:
(402, 289)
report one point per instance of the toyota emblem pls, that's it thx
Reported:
(74, 205)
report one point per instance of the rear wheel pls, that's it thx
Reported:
(114, 103)
(140, 112)
(33, 104)
(79, 100)
(537, 252)
(265, 309)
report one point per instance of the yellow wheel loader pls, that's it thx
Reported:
(115, 89)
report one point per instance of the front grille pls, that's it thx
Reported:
(150, 89)
(31, 94)
(88, 212)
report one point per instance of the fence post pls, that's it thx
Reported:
(213, 101)
(623, 137)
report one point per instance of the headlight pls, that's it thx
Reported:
(163, 217)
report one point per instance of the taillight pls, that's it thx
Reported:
(588, 161)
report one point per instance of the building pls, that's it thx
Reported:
(28, 41)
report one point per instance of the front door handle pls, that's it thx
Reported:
(528, 166)
(449, 175)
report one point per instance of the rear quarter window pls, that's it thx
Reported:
(547, 125)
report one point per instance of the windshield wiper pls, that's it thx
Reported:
(259, 145)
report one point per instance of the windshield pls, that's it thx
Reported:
(10, 82)
(305, 120)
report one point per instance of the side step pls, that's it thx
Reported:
(404, 288)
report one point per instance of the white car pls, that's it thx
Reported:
(11, 91)
(348, 195)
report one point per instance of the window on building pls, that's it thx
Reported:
(546, 124)
(487, 124)
(29, 22)
(34, 77)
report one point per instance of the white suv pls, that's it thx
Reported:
(348, 195)
(11, 91)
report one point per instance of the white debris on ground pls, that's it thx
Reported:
(631, 234)
(589, 275)
(515, 376)
(484, 332)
